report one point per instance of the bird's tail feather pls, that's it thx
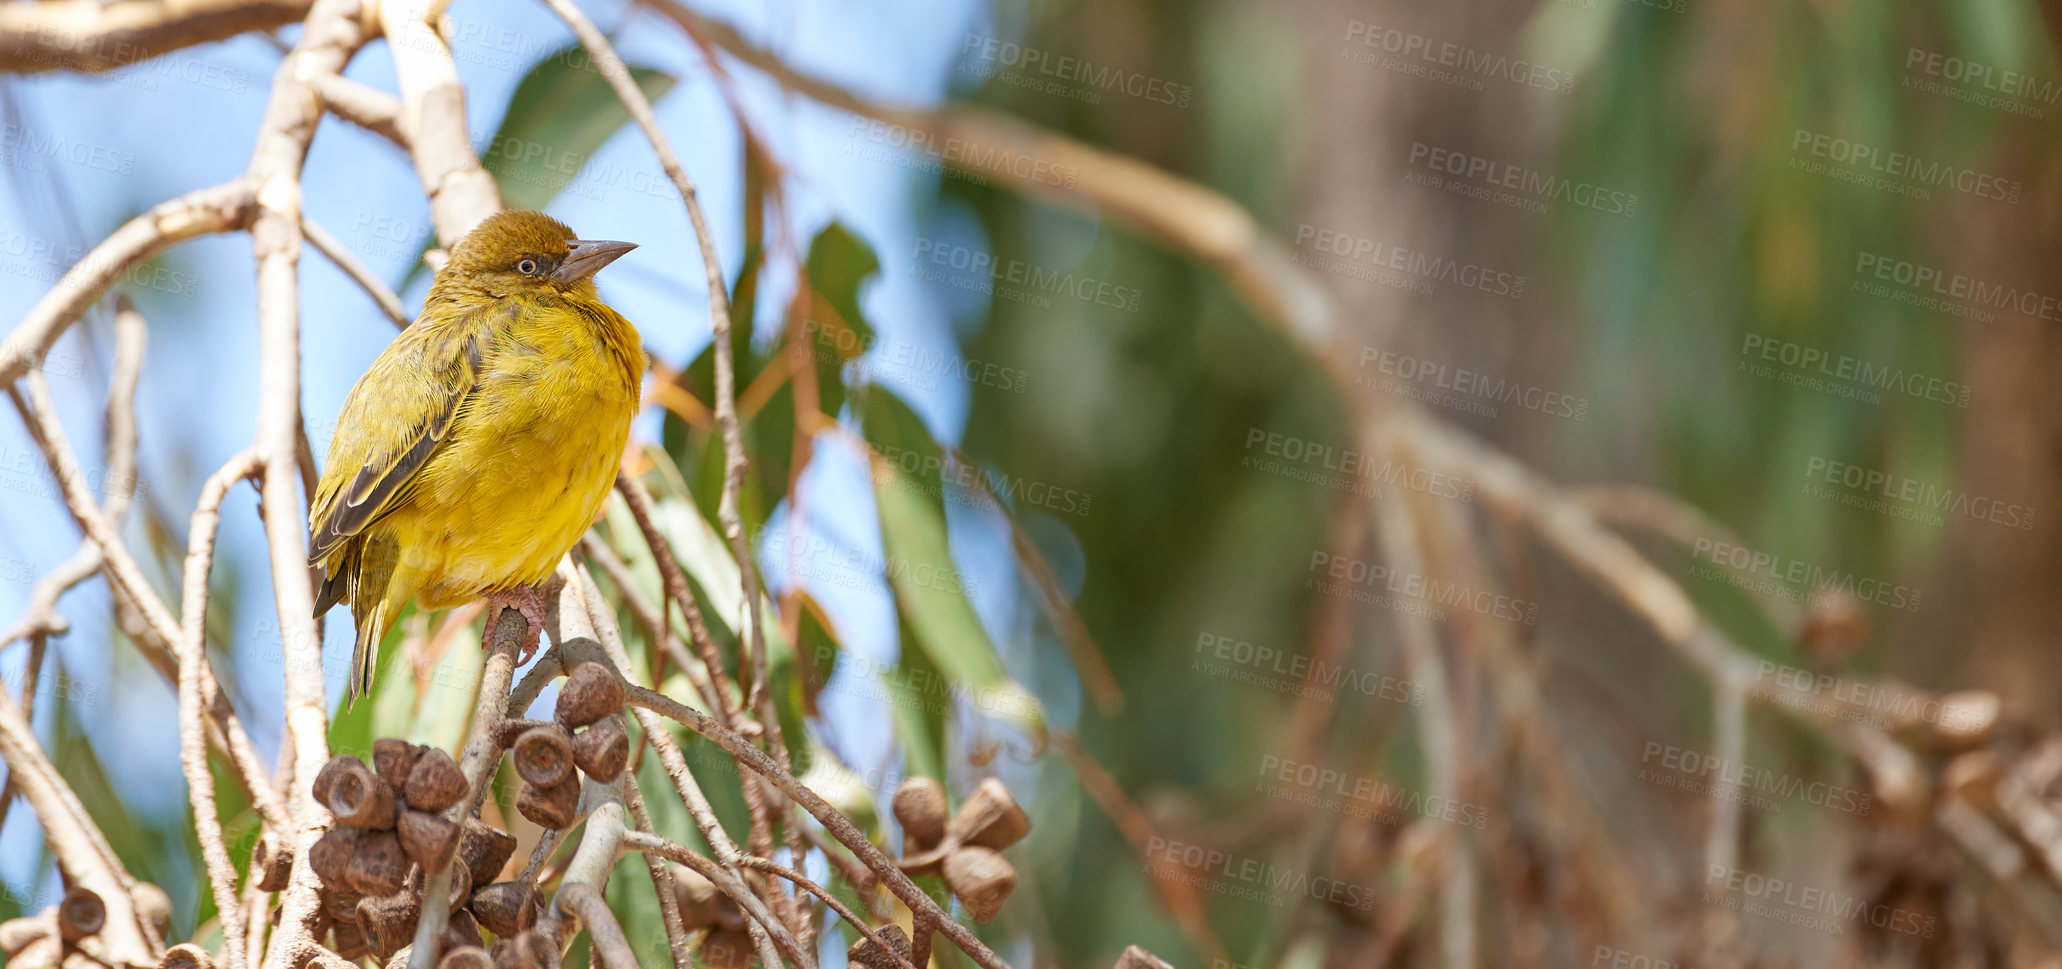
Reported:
(372, 627)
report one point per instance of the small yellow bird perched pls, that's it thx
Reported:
(480, 445)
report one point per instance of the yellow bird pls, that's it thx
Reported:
(480, 445)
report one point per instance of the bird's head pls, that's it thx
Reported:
(519, 252)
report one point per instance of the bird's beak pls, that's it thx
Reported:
(585, 257)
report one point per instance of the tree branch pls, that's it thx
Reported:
(90, 36)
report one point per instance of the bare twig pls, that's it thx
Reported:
(193, 749)
(87, 35)
(758, 699)
(369, 108)
(1436, 720)
(343, 258)
(831, 900)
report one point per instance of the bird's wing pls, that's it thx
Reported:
(396, 417)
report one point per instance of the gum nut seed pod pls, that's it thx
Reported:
(360, 799)
(981, 878)
(543, 755)
(591, 692)
(990, 817)
(351, 942)
(332, 854)
(696, 897)
(865, 953)
(435, 782)
(920, 808)
(392, 759)
(461, 890)
(274, 867)
(341, 906)
(153, 906)
(16, 934)
(329, 773)
(460, 932)
(466, 957)
(378, 866)
(601, 751)
(535, 950)
(485, 850)
(186, 955)
(506, 732)
(427, 838)
(728, 949)
(80, 914)
(389, 920)
(556, 806)
(505, 908)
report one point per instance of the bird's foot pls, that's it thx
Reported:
(526, 600)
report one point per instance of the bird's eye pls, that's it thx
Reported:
(527, 267)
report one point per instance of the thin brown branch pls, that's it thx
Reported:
(836, 823)
(1437, 720)
(193, 744)
(89, 35)
(758, 699)
(831, 900)
(343, 258)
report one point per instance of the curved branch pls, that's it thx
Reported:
(343, 258)
(193, 657)
(222, 208)
(89, 35)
